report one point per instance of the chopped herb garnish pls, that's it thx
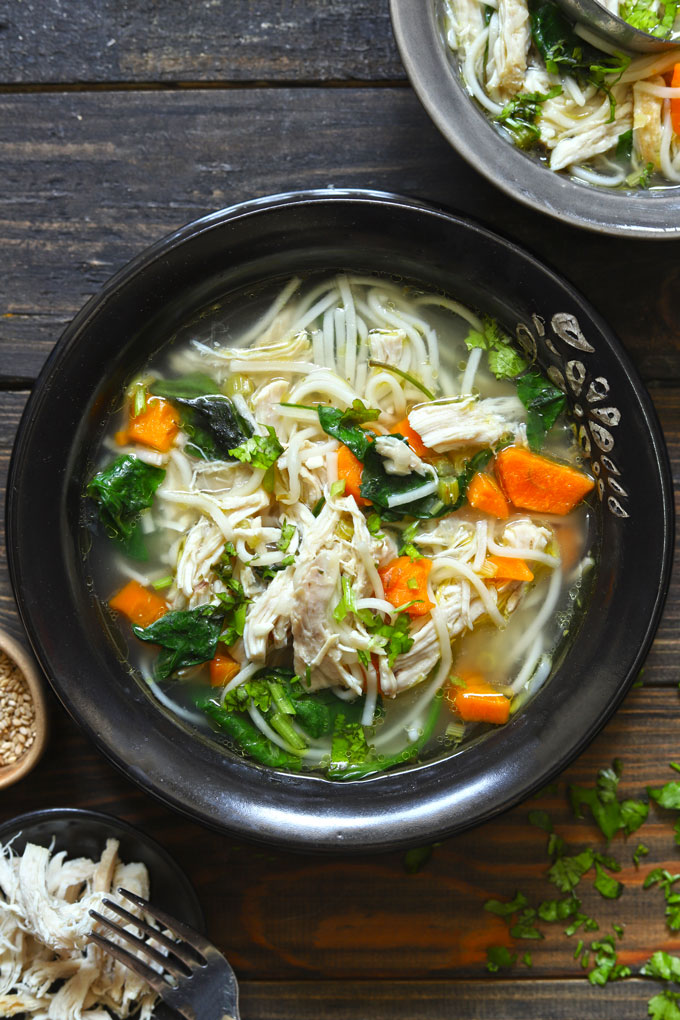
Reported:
(522, 113)
(260, 451)
(499, 958)
(607, 886)
(640, 851)
(407, 547)
(417, 857)
(504, 361)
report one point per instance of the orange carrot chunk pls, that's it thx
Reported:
(478, 701)
(156, 426)
(222, 668)
(533, 482)
(484, 494)
(405, 580)
(509, 568)
(350, 470)
(675, 103)
(141, 606)
(412, 438)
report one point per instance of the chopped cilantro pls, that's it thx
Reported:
(607, 886)
(542, 820)
(503, 909)
(664, 1006)
(260, 451)
(499, 958)
(504, 361)
(417, 857)
(640, 851)
(567, 872)
(407, 547)
(667, 796)
(522, 113)
(606, 967)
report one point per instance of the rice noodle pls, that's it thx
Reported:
(308, 560)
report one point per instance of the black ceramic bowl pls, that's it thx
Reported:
(134, 315)
(84, 833)
(434, 74)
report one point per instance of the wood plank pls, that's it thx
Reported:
(49, 42)
(88, 180)
(490, 999)
(286, 917)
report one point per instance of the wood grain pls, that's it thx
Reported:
(282, 916)
(492, 998)
(87, 180)
(73, 41)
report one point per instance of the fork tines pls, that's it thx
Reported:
(180, 958)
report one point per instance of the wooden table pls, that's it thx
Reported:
(118, 123)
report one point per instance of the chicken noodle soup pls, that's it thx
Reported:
(348, 535)
(603, 116)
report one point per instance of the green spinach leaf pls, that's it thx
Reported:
(213, 426)
(187, 637)
(344, 426)
(543, 401)
(122, 490)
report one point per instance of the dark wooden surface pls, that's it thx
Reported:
(122, 121)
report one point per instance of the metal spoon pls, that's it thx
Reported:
(613, 28)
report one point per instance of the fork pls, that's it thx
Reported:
(203, 984)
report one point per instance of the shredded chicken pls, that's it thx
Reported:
(48, 970)
(467, 21)
(399, 458)
(648, 122)
(387, 345)
(507, 61)
(457, 424)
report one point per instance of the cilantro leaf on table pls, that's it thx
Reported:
(663, 966)
(558, 910)
(507, 909)
(542, 820)
(609, 813)
(417, 857)
(667, 796)
(664, 1006)
(499, 958)
(607, 886)
(567, 872)
(606, 966)
(524, 926)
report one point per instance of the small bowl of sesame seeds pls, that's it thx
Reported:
(23, 719)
